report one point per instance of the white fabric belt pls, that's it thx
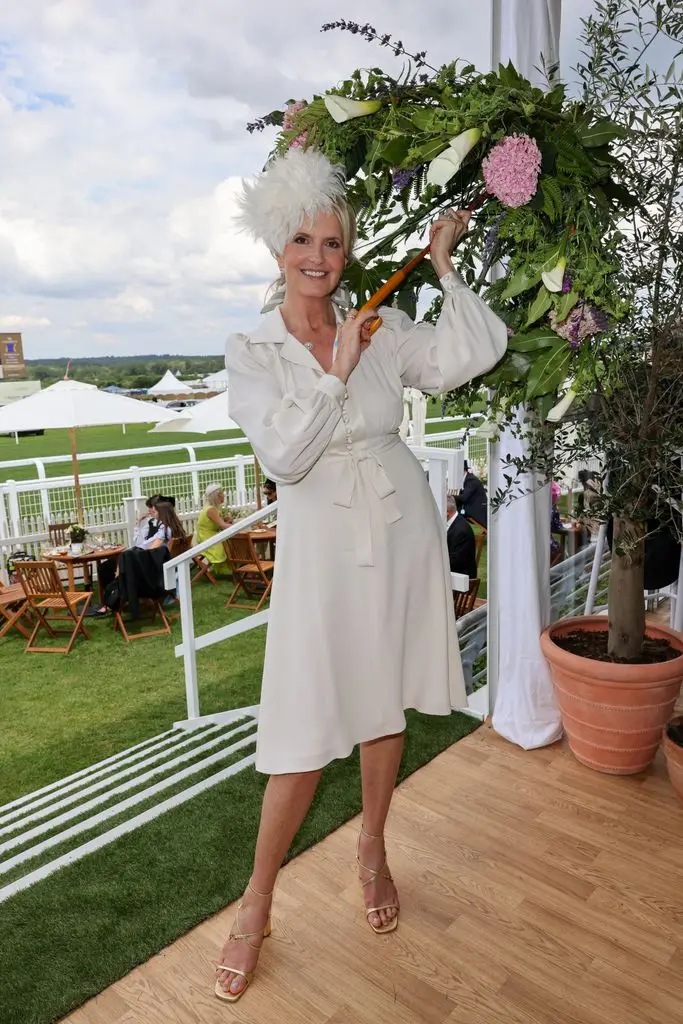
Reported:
(363, 479)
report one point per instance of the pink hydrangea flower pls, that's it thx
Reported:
(290, 113)
(511, 170)
(299, 142)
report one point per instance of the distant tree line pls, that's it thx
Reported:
(123, 371)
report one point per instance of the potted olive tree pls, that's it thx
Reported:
(617, 680)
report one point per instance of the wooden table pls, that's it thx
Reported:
(568, 538)
(266, 535)
(86, 559)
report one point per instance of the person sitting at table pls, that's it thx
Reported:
(168, 527)
(474, 497)
(270, 491)
(462, 553)
(146, 524)
(211, 521)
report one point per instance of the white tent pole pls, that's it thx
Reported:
(523, 706)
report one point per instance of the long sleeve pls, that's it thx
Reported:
(467, 340)
(288, 431)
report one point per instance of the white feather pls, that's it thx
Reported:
(301, 184)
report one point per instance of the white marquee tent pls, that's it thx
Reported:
(169, 385)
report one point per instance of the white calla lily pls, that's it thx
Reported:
(562, 407)
(447, 164)
(554, 279)
(341, 108)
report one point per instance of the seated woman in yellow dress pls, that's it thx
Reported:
(211, 522)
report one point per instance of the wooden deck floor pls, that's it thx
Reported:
(533, 890)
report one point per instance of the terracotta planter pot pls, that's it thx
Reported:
(674, 761)
(613, 714)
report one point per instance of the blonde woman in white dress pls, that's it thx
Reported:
(361, 621)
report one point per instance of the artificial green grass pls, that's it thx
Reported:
(97, 919)
(106, 439)
(92, 922)
(59, 714)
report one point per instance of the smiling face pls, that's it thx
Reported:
(313, 261)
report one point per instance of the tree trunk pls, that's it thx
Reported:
(626, 601)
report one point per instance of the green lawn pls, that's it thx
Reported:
(91, 922)
(103, 439)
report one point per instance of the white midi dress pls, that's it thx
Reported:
(361, 620)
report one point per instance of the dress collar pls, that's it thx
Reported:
(272, 329)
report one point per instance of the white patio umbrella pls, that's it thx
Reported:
(70, 404)
(203, 418)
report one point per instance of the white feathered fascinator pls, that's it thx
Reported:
(300, 184)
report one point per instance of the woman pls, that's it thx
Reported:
(361, 620)
(210, 523)
(169, 528)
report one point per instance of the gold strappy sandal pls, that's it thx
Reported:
(381, 872)
(229, 997)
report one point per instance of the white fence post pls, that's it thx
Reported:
(438, 483)
(44, 497)
(135, 482)
(131, 514)
(184, 593)
(14, 517)
(196, 497)
(240, 481)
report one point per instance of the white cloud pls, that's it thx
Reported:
(124, 141)
(22, 323)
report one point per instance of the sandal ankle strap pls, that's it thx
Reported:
(368, 835)
(257, 891)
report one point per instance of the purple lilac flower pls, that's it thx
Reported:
(583, 321)
(400, 178)
(491, 238)
(567, 284)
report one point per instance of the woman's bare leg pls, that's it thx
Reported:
(285, 805)
(379, 762)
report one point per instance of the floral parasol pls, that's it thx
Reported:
(444, 137)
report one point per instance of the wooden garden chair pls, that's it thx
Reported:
(50, 602)
(204, 570)
(251, 573)
(177, 546)
(156, 608)
(58, 533)
(464, 600)
(479, 545)
(13, 608)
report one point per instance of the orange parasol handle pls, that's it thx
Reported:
(399, 277)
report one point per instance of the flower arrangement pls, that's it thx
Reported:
(77, 533)
(553, 184)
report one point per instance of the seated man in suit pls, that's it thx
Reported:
(460, 539)
(474, 498)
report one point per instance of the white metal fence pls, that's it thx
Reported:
(28, 508)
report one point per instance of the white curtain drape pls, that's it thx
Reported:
(521, 694)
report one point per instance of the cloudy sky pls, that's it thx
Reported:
(123, 144)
